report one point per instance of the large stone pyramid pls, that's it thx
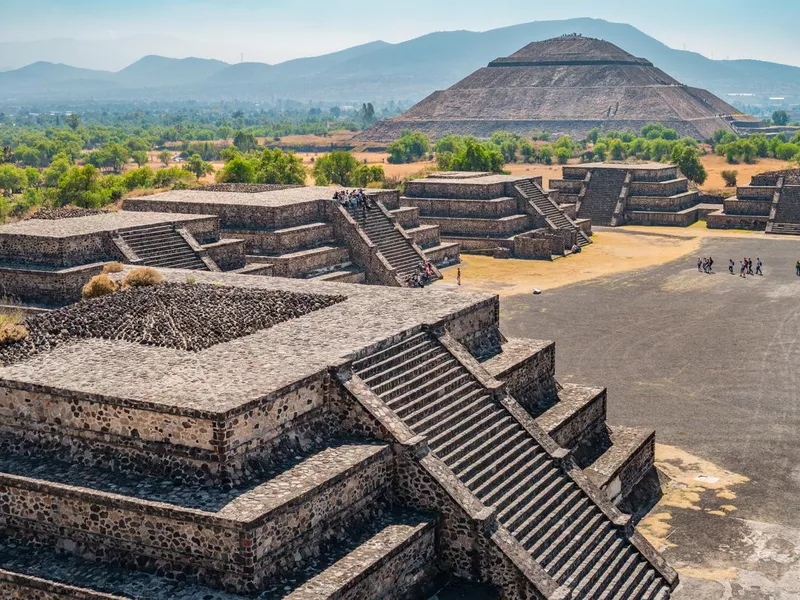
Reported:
(565, 85)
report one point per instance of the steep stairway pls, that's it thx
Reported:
(528, 189)
(162, 246)
(787, 211)
(380, 229)
(602, 194)
(497, 459)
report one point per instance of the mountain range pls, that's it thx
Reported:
(378, 71)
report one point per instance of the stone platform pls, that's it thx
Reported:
(47, 261)
(301, 232)
(268, 437)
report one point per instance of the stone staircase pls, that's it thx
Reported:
(162, 246)
(528, 189)
(396, 248)
(786, 220)
(490, 451)
(602, 194)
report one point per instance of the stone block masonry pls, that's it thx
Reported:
(186, 460)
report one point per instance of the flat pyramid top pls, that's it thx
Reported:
(571, 49)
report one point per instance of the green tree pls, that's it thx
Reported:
(12, 179)
(117, 155)
(367, 114)
(195, 164)
(60, 165)
(245, 142)
(237, 170)
(141, 178)
(335, 167)
(477, 156)
(729, 177)
(73, 121)
(363, 175)
(409, 147)
(687, 159)
(165, 156)
(563, 155)
(140, 157)
(81, 186)
(780, 117)
(277, 166)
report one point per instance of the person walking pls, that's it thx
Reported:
(742, 269)
(458, 273)
(731, 264)
(759, 264)
(699, 265)
(710, 265)
(749, 266)
(797, 268)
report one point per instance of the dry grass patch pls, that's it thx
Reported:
(11, 328)
(99, 285)
(143, 277)
(112, 267)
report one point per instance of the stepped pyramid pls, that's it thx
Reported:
(565, 85)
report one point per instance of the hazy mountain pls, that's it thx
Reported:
(109, 54)
(380, 71)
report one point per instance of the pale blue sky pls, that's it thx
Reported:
(275, 30)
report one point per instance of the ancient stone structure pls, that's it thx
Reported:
(48, 260)
(293, 231)
(770, 203)
(505, 215)
(364, 443)
(628, 194)
(565, 86)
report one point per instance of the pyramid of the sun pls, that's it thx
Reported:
(565, 85)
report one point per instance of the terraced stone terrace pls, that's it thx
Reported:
(215, 439)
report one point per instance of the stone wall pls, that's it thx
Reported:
(527, 367)
(426, 188)
(502, 227)
(753, 192)
(227, 254)
(57, 252)
(444, 207)
(719, 220)
(677, 219)
(665, 188)
(425, 237)
(536, 245)
(50, 288)
(665, 203)
(735, 206)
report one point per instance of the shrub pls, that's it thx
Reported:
(730, 178)
(11, 328)
(142, 277)
(112, 267)
(99, 285)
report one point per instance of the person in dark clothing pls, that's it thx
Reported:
(730, 266)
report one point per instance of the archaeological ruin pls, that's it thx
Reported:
(566, 86)
(242, 437)
(295, 231)
(628, 193)
(47, 260)
(504, 215)
(771, 203)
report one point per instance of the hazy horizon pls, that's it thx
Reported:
(276, 30)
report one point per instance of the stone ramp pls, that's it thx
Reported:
(602, 193)
(162, 246)
(533, 193)
(480, 438)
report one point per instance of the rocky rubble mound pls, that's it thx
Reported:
(175, 315)
(65, 212)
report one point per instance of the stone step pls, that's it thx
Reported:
(451, 430)
(608, 548)
(542, 520)
(593, 539)
(504, 492)
(500, 432)
(456, 443)
(422, 411)
(624, 582)
(466, 406)
(411, 359)
(574, 525)
(153, 524)
(602, 574)
(419, 375)
(362, 366)
(512, 458)
(438, 386)
(517, 512)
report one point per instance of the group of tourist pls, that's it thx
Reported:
(353, 199)
(705, 265)
(422, 276)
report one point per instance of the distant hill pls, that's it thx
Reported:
(380, 71)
